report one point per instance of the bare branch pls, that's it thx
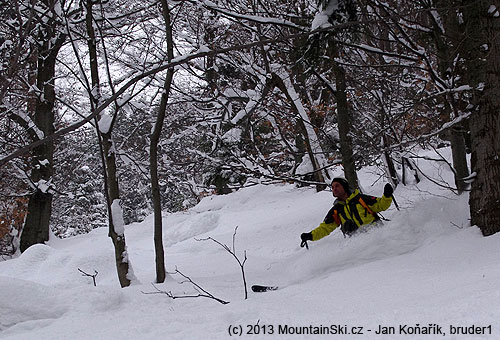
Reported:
(233, 254)
(164, 66)
(201, 291)
(93, 276)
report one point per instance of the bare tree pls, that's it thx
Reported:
(339, 11)
(153, 154)
(104, 127)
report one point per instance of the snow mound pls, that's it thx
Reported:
(26, 306)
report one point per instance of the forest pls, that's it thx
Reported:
(113, 110)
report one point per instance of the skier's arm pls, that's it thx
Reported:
(324, 229)
(378, 204)
(381, 204)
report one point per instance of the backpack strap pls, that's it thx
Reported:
(336, 217)
(333, 215)
(367, 208)
(377, 216)
(340, 210)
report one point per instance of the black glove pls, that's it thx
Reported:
(305, 237)
(388, 190)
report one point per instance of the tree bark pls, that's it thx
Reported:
(482, 54)
(459, 157)
(390, 168)
(108, 156)
(153, 151)
(50, 40)
(36, 225)
(344, 124)
(447, 43)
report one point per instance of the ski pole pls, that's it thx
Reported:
(395, 203)
(304, 244)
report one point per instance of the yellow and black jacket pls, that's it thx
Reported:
(357, 210)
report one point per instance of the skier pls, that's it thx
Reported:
(350, 211)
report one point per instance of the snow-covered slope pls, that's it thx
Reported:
(425, 270)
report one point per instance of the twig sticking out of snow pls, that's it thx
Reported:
(201, 292)
(233, 253)
(93, 276)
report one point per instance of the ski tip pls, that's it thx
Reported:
(261, 289)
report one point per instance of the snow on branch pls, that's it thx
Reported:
(202, 53)
(254, 18)
(444, 127)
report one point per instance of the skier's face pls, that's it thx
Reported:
(338, 190)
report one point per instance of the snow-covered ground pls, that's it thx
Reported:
(424, 271)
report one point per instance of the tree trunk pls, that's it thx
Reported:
(108, 156)
(482, 41)
(115, 216)
(344, 124)
(446, 45)
(36, 226)
(458, 151)
(50, 40)
(390, 168)
(153, 151)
